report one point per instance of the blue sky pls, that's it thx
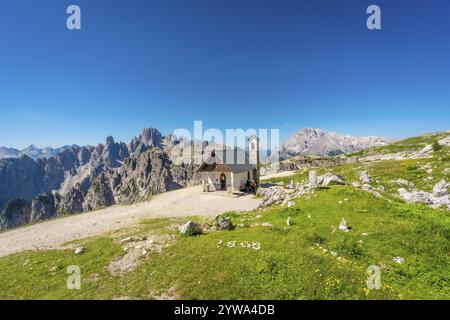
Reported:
(231, 64)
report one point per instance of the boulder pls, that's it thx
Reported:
(191, 228)
(365, 178)
(312, 179)
(343, 226)
(441, 189)
(329, 179)
(222, 223)
(415, 196)
(403, 183)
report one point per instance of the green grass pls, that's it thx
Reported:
(289, 265)
(383, 172)
(294, 262)
(409, 144)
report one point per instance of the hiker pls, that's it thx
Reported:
(253, 185)
(247, 186)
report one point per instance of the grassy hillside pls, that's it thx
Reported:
(310, 259)
(408, 145)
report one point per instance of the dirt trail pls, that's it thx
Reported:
(183, 202)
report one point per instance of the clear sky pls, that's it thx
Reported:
(230, 63)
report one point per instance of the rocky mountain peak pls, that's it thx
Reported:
(311, 141)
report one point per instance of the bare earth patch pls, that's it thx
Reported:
(137, 251)
(180, 203)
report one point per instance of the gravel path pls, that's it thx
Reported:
(184, 202)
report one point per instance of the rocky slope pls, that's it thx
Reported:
(80, 179)
(319, 142)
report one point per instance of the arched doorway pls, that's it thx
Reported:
(223, 182)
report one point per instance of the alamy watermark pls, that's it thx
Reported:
(374, 279)
(73, 21)
(232, 145)
(74, 278)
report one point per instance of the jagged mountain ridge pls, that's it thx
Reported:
(86, 178)
(318, 142)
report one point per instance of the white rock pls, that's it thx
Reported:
(312, 179)
(191, 228)
(441, 189)
(331, 179)
(356, 184)
(80, 250)
(343, 226)
(403, 183)
(399, 260)
(364, 177)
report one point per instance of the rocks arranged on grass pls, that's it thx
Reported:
(191, 228)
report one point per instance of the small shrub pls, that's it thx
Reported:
(436, 146)
(290, 211)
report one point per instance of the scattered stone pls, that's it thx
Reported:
(415, 196)
(382, 188)
(256, 246)
(399, 260)
(426, 198)
(403, 183)
(224, 223)
(343, 226)
(365, 178)
(266, 224)
(447, 171)
(80, 250)
(290, 204)
(219, 243)
(356, 184)
(441, 189)
(231, 244)
(191, 228)
(245, 244)
(329, 179)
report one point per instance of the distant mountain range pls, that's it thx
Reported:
(318, 142)
(32, 151)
